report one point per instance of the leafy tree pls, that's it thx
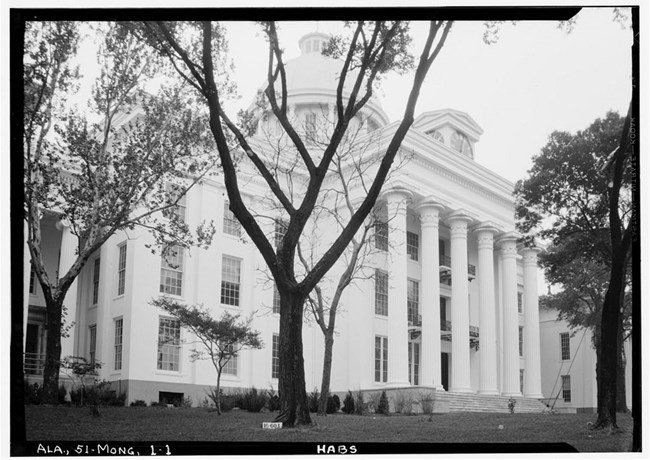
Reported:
(370, 50)
(221, 339)
(107, 176)
(578, 195)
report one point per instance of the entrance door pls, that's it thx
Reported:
(444, 371)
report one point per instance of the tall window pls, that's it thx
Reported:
(310, 128)
(179, 208)
(118, 343)
(381, 235)
(565, 346)
(443, 315)
(231, 225)
(520, 302)
(230, 276)
(275, 357)
(413, 301)
(169, 344)
(521, 341)
(381, 293)
(96, 281)
(276, 299)
(521, 380)
(92, 342)
(121, 269)
(280, 230)
(412, 245)
(231, 366)
(566, 388)
(414, 363)
(171, 271)
(381, 359)
(32, 281)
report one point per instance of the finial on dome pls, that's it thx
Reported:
(313, 42)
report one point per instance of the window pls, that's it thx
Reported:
(92, 343)
(566, 388)
(275, 357)
(231, 225)
(414, 363)
(171, 271)
(96, 281)
(230, 274)
(412, 245)
(231, 366)
(565, 346)
(520, 302)
(381, 235)
(521, 341)
(381, 359)
(437, 135)
(118, 344)
(178, 209)
(443, 315)
(371, 125)
(121, 269)
(521, 380)
(276, 299)
(310, 128)
(280, 230)
(32, 281)
(413, 302)
(460, 143)
(169, 341)
(381, 293)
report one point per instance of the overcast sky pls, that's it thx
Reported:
(534, 80)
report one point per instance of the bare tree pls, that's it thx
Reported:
(371, 49)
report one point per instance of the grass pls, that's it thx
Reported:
(49, 423)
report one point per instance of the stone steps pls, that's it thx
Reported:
(467, 402)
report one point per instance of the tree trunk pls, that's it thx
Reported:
(294, 406)
(621, 404)
(54, 320)
(218, 402)
(327, 372)
(609, 349)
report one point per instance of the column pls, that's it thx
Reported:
(66, 259)
(460, 364)
(488, 382)
(430, 365)
(397, 201)
(533, 375)
(510, 384)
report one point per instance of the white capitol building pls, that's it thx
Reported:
(450, 302)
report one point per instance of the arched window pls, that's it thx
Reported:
(460, 143)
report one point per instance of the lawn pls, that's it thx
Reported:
(197, 424)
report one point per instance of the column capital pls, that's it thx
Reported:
(529, 255)
(62, 224)
(429, 211)
(485, 227)
(397, 195)
(458, 221)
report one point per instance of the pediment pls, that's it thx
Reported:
(456, 119)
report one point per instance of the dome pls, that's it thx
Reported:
(313, 78)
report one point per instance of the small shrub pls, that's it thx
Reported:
(228, 401)
(206, 403)
(63, 391)
(314, 397)
(373, 402)
(138, 403)
(273, 403)
(157, 404)
(333, 404)
(187, 401)
(253, 401)
(33, 393)
(403, 403)
(427, 399)
(359, 404)
(348, 403)
(511, 405)
(382, 407)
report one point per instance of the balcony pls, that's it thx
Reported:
(34, 363)
(445, 270)
(445, 334)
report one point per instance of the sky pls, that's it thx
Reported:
(536, 79)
